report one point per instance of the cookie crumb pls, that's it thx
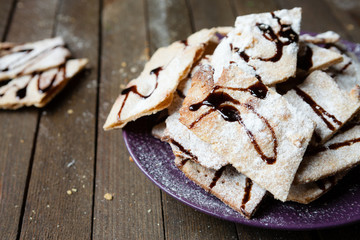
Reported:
(74, 190)
(133, 69)
(350, 27)
(70, 111)
(131, 159)
(149, 210)
(108, 196)
(22, 140)
(69, 192)
(123, 64)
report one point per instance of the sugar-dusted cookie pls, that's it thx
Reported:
(308, 192)
(230, 186)
(321, 38)
(17, 60)
(39, 88)
(153, 90)
(340, 153)
(265, 45)
(250, 125)
(320, 99)
(312, 57)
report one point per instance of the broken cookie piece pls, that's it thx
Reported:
(153, 90)
(320, 99)
(308, 192)
(261, 43)
(230, 186)
(18, 60)
(321, 38)
(250, 125)
(39, 88)
(340, 153)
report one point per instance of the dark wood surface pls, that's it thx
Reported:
(46, 152)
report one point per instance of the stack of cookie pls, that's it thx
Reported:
(32, 74)
(253, 109)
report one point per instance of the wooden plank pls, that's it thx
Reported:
(342, 233)
(211, 13)
(6, 7)
(316, 17)
(348, 14)
(135, 212)
(164, 28)
(251, 233)
(252, 6)
(168, 21)
(18, 127)
(65, 148)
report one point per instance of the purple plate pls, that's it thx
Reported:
(338, 207)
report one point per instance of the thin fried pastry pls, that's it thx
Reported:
(321, 100)
(39, 88)
(18, 60)
(230, 186)
(261, 43)
(340, 153)
(252, 126)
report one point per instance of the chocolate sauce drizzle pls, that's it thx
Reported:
(304, 61)
(182, 149)
(342, 70)
(185, 42)
(134, 90)
(229, 113)
(333, 146)
(62, 69)
(218, 174)
(318, 109)
(247, 195)
(285, 32)
(21, 93)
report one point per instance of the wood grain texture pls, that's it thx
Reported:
(251, 6)
(5, 16)
(348, 14)
(211, 13)
(316, 16)
(180, 222)
(65, 148)
(135, 211)
(18, 127)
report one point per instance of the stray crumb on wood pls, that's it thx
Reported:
(108, 196)
(131, 159)
(149, 210)
(69, 192)
(350, 27)
(133, 69)
(74, 190)
(70, 111)
(70, 163)
(123, 64)
(22, 140)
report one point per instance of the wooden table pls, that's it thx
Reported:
(46, 152)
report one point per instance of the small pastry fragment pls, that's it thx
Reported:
(312, 57)
(308, 192)
(320, 99)
(230, 186)
(39, 88)
(17, 60)
(261, 43)
(346, 73)
(251, 126)
(339, 154)
(153, 90)
(321, 38)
